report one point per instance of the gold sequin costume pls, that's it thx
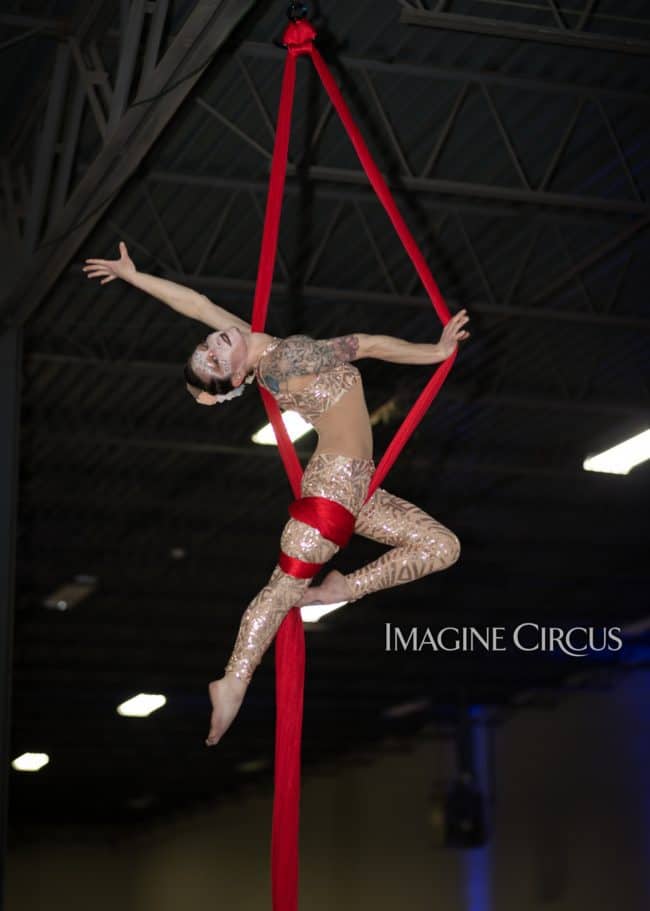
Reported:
(320, 394)
(420, 544)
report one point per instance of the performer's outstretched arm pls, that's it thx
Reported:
(180, 298)
(399, 351)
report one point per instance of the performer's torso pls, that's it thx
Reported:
(332, 400)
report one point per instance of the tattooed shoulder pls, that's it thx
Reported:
(304, 355)
(299, 355)
(345, 347)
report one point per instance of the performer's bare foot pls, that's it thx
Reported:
(332, 589)
(226, 696)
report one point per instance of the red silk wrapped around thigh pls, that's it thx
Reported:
(333, 521)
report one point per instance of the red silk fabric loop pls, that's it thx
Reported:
(299, 569)
(299, 36)
(290, 641)
(333, 521)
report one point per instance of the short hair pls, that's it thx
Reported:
(213, 386)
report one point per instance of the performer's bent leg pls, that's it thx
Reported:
(340, 478)
(420, 544)
(261, 621)
(264, 615)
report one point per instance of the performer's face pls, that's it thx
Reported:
(221, 355)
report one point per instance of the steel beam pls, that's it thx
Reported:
(459, 101)
(154, 38)
(129, 48)
(204, 31)
(88, 84)
(61, 26)
(47, 149)
(522, 31)
(201, 447)
(586, 14)
(422, 183)
(494, 305)
(450, 391)
(514, 196)
(162, 230)
(356, 295)
(389, 299)
(70, 142)
(100, 74)
(42, 24)
(485, 198)
(562, 145)
(256, 49)
(234, 128)
(591, 259)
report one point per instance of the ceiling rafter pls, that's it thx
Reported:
(130, 132)
(563, 35)
(510, 308)
(525, 193)
(452, 391)
(554, 369)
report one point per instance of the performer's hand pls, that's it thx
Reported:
(453, 333)
(109, 269)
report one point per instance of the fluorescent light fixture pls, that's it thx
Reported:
(637, 628)
(622, 458)
(252, 765)
(141, 705)
(296, 428)
(311, 613)
(30, 762)
(141, 803)
(72, 593)
(407, 708)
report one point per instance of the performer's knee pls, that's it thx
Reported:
(306, 543)
(442, 546)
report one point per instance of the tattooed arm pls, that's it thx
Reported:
(300, 355)
(398, 351)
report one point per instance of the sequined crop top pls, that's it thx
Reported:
(316, 397)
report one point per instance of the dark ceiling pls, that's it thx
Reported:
(517, 139)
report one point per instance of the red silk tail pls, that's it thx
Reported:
(290, 643)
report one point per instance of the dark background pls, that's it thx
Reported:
(518, 151)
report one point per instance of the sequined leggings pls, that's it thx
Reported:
(420, 545)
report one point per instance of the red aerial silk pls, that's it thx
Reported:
(290, 642)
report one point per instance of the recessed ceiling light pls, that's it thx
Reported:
(252, 765)
(311, 613)
(620, 459)
(296, 428)
(407, 708)
(141, 705)
(141, 803)
(30, 762)
(71, 593)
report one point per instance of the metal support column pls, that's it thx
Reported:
(10, 350)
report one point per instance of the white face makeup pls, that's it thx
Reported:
(220, 355)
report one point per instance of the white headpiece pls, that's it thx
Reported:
(218, 399)
(239, 390)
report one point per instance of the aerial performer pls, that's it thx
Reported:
(316, 378)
